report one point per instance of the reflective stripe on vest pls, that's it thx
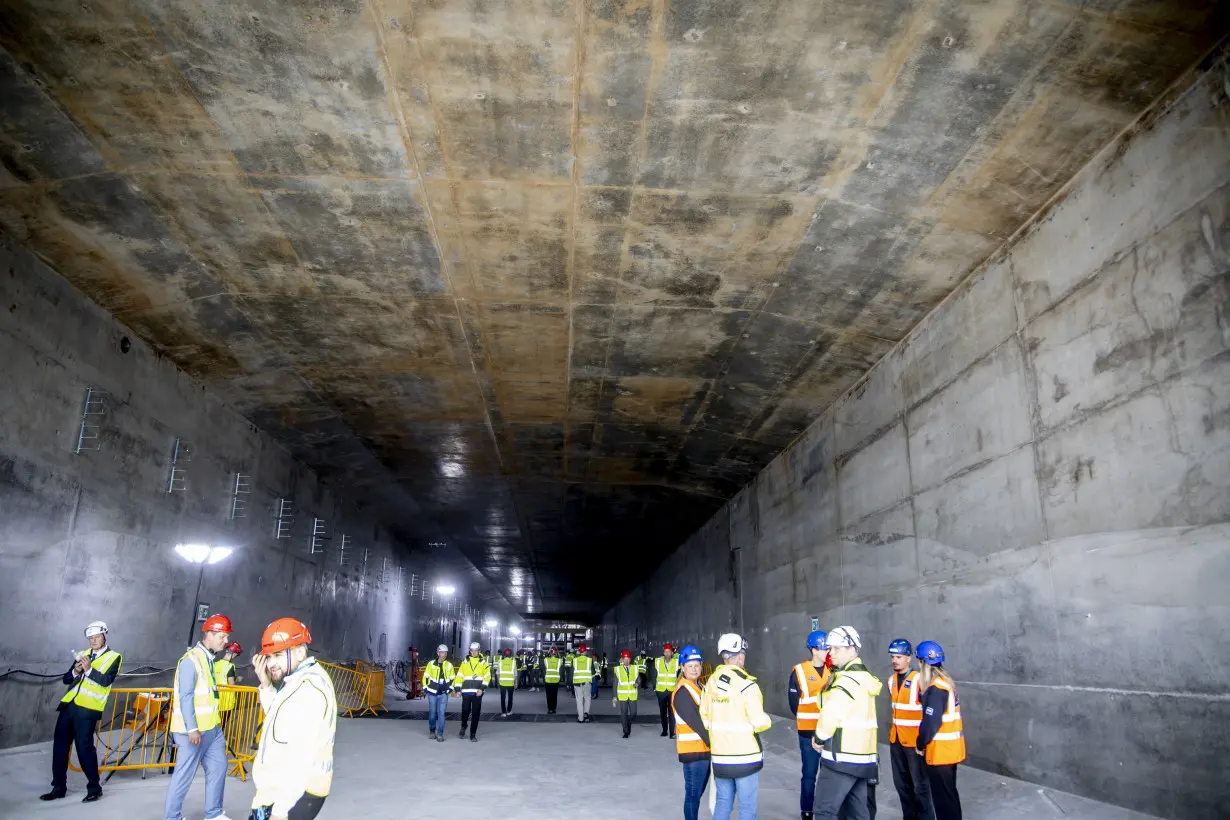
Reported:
(553, 665)
(87, 693)
(508, 671)
(473, 676)
(686, 739)
(907, 711)
(948, 745)
(222, 671)
(625, 682)
(582, 670)
(204, 694)
(437, 678)
(668, 673)
(811, 683)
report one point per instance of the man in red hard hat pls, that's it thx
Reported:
(293, 769)
(665, 676)
(625, 691)
(196, 723)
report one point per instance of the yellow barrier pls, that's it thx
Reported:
(135, 730)
(358, 692)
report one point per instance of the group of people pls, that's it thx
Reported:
(832, 696)
(293, 767)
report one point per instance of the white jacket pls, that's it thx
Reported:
(296, 745)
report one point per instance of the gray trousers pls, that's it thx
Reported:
(627, 713)
(840, 795)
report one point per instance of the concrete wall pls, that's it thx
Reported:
(1039, 479)
(91, 536)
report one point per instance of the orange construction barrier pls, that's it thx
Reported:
(358, 692)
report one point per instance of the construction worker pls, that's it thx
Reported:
(803, 688)
(507, 673)
(904, 695)
(606, 670)
(692, 739)
(665, 676)
(438, 677)
(732, 706)
(582, 677)
(195, 723)
(642, 669)
(473, 678)
(89, 680)
(224, 674)
(293, 769)
(625, 691)
(846, 731)
(941, 736)
(568, 661)
(553, 666)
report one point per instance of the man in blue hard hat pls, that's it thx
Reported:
(807, 680)
(904, 697)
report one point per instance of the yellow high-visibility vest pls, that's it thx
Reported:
(508, 671)
(625, 682)
(222, 671)
(668, 673)
(583, 670)
(87, 693)
(204, 695)
(553, 667)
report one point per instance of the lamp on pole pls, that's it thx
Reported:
(200, 554)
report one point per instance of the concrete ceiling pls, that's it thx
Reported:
(549, 280)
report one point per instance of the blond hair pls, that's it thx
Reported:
(929, 673)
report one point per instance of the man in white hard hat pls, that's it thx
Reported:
(846, 732)
(438, 679)
(89, 681)
(732, 706)
(473, 678)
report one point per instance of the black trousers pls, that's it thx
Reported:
(79, 730)
(841, 795)
(910, 778)
(305, 808)
(552, 695)
(506, 698)
(944, 792)
(666, 713)
(471, 707)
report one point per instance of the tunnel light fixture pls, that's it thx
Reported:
(492, 622)
(445, 589)
(514, 630)
(202, 553)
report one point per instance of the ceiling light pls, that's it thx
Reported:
(202, 553)
(445, 589)
(515, 630)
(492, 622)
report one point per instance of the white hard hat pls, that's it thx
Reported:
(441, 648)
(732, 643)
(96, 628)
(475, 645)
(845, 636)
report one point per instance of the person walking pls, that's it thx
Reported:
(293, 769)
(89, 682)
(582, 678)
(941, 736)
(846, 732)
(568, 660)
(552, 666)
(909, 771)
(195, 724)
(732, 706)
(665, 676)
(642, 670)
(625, 691)
(803, 688)
(225, 675)
(438, 677)
(473, 678)
(692, 736)
(507, 673)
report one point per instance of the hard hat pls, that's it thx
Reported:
(582, 648)
(668, 648)
(216, 623)
(931, 652)
(732, 643)
(95, 628)
(441, 648)
(507, 652)
(625, 654)
(845, 636)
(234, 648)
(690, 653)
(474, 646)
(818, 640)
(900, 646)
(283, 634)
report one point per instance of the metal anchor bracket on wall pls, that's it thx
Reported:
(343, 551)
(241, 488)
(285, 520)
(316, 543)
(181, 454)
(94, 406)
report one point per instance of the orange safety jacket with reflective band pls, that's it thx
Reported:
(811, 683)
(948, 745)
(687, 741)
(907, 711)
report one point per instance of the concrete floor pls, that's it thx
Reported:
(388, 769)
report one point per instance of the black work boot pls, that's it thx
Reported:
(54, 794)
(462, 733)
(805, 815)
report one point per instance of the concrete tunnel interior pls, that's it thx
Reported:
(647, 319)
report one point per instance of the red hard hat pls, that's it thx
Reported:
(283, 634)
(625, 654)
(668, 646)
(507, 652)
(582, 648)
(234, 647)
(216, 623)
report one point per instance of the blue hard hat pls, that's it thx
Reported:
(690, 653)
(931, 652)
(818, 640)
(900, 646)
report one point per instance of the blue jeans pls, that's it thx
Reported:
(212, 755)
(435, 712)
(747, 789)
(695, 778)
(811, 768)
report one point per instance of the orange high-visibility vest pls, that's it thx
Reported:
(686, 740)
(907, 711)
(948, 745)
(811, 684)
